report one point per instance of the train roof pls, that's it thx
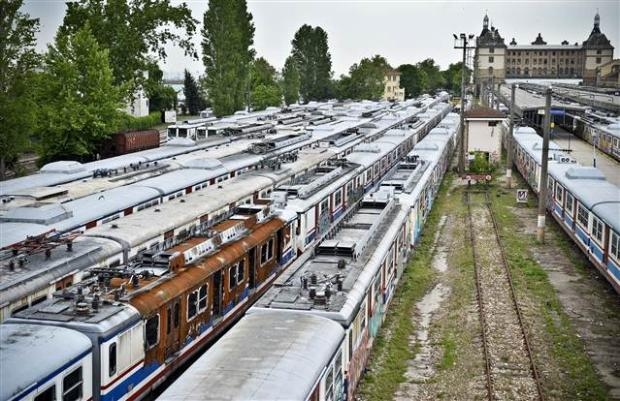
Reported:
(589, 186)
(52, 348)
(39, 270)
(285, 359)
(138, 228)
(352, 257)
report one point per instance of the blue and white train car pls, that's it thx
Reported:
(585, 204)
(44, 364)
(292, 357)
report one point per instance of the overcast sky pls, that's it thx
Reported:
(404, 31)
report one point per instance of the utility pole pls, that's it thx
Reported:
(542, 190)
(513, 117)
(460, 42)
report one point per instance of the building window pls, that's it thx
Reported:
(582, 216)
(48, 394)
(266, 252)
(598, 52)
(597, 229)
(152, 331)
(492, 50)
(72, 385)
(598, 60)
(112, 360)
(490, 59)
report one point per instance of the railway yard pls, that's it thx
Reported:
(331, 249)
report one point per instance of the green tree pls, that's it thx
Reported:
(192, 94)
(452, 76)
(264, 96)
(78, 101)
(435, 78)
(290, 81)
(342, 87)
(311, 55)
(161, 96)
(228, 35)
(264, 89)
(18, 60)
(413, 79)
(367, 78)
(132, 30)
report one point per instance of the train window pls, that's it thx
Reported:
(152, 331)
(266, 252)
(324, 206)
(72, 385)
(191, 305)
(202, 298)
(168, 320)
(558, 192)
(569, 202)
(112, 360)
(597, 229)
(614, 248)
(582, 215)
(49, 394)
(338, 197)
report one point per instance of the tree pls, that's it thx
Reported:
(131, 30)
(435, 78)
(342, 87)
(264, 90)
(367, 78)
(192, 94)
(313, 61)
(413, 79)
(161, 96)
(452, 77)
(228, 35)
(290, 81)
(264, 96)
(78, 100)
(18, 60)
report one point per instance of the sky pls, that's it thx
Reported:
(403, 31)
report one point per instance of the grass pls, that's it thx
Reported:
(392, 350)
(580, 379)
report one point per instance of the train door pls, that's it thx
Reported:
(173, 327)
(279, 244)
(217, 295)
(252, 267)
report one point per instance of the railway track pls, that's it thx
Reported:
(510, 370)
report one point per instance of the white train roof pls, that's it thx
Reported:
(51, 348)
(353, 256)
(589, 186)
(286, 357)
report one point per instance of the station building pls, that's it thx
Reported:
(494, 60)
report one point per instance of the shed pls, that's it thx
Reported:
(482, 125)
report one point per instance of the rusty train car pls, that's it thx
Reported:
(145, 320)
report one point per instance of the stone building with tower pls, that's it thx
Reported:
(494, 59)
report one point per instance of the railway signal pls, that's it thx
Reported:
(522, 195)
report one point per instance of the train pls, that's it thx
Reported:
(121, 143)
(309, 336)
(579, 198)
(145, 318)
(116, 239)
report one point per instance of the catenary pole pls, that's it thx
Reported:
(513, 117)
(542, 198)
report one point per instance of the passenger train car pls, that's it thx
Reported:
(585, 204)
(144, 320)
(350, 278)
(116, 241)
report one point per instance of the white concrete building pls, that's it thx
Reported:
(482, 128)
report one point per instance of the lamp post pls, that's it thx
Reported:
(462, 41)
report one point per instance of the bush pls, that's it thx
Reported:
(131, 123)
